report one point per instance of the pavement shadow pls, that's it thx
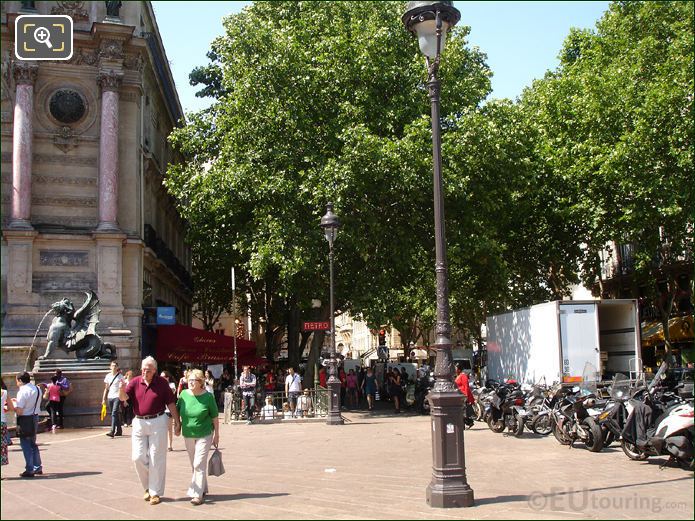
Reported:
(518, 497)
(57, 475)
(214, 498)
(664, 462)
(500, 499)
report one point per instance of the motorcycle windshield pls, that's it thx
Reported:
(589, 379)
(620, 388)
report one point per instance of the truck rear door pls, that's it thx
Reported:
(580, 339)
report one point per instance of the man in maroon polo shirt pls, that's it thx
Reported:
(150, 394)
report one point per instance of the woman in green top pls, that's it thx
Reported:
(201, 429)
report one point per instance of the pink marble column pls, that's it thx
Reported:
(108, 152)
(22, 139)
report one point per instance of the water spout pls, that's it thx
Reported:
(31, 349)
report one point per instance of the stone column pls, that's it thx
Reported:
(110, 82)
(22, 137)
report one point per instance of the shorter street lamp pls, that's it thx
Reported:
(330, 225)
(430, 21)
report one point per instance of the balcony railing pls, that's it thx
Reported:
(164, 253)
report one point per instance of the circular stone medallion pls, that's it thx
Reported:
(67, 106)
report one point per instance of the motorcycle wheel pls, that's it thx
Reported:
(478, 411)
(560, 435)
(495, 426)
(595, 441)
(608, 438)
(542, 425)
(632, 452)
(518, 429)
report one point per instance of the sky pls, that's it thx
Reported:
(521, 39)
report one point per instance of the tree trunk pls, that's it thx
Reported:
(315, 351)
(293, 352)
(665, 307)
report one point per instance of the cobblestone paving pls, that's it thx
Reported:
(374, 467)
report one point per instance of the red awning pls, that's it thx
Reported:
(180, 343)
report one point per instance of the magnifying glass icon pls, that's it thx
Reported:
(43, 35)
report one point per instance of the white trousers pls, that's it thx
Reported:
(150, 452)
(198, 449)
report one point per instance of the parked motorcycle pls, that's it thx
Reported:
(506, 410)
(572, 415)
(542, 422)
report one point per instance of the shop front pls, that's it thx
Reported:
(184, 345)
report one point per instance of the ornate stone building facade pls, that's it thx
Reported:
(83, 155)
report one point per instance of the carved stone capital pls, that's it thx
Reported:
(25, 73)
(111, 49)
(74, 10)
(110, 80)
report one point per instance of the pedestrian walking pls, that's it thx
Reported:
(52, 394)
(65, 390)
(5, 436)
(111, 398)
(247, 382)
(228, 403)
(183, 383)
(170, 423)
(463, 384)
(369, 386)
(224, 382)
(126, 406)
(293, 388)
(28, 406)
(395, 389)
(150, 394)
(200, 426)
(351, 382)
(209, 382)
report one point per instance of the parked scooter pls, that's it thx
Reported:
(661, 425)
(483, 395)
(422, 388)
(612, 419)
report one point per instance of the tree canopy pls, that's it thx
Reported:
(615, 122)
(325, 101)
(319, 102)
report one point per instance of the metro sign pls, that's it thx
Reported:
(316, 326)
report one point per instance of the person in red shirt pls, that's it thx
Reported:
(150, 395)
(462, 384)
(323, 377)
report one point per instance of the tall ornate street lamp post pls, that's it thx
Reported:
(430, 22)
(330, 225)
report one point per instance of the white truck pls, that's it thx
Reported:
(556, 340)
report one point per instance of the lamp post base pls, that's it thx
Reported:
(334, 417)
(448, 487)
(449, 496)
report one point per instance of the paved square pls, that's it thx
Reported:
(375, 466)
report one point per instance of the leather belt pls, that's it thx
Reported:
(149, 416)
